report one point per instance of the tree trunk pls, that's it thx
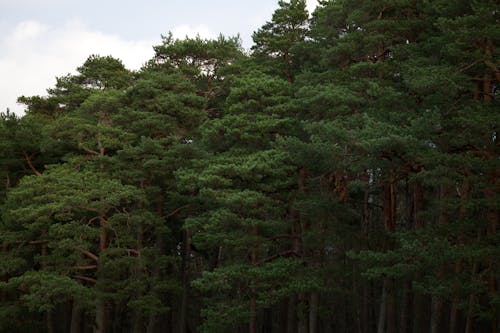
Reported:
(469, 324)
(313, 312)
(100, 317)
(382, 310)
(49, 318)
(302, 324)
(366, 327)
(436, 312)
(418, 205)
(390, 205)
(253, 300)
(291, 321)
(453, 316)
(419, 308)
(403, 314)
(185, 282)
(76, 318)
(391, 307)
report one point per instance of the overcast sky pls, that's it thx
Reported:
(42, 39)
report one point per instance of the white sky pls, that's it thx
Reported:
(42, 39)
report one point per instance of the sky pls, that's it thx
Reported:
(44, 39)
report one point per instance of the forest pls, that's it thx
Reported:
(341, 175)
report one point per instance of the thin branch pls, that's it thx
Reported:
(290, 236)
(84, 268)
(176, 211)
(85, 278)
(90, 151)
(30, 164)
(136, 252)
(463, 69)
(285, 254)
(89, 254)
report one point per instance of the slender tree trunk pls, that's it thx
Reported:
(403, 314)
(390, 205)
(313, 312)
(253, 300)
(436, 313)
(382, 310)
(493, 218)
(418, 202)
(159, 243)
(366, 309)
(469, 324)
(185, 282)
(5, 277)
(487, 80)
(76, 318)
(302, 324)
(49, 317)
(101, 317)
(291, 321)
(420, 323)
(453, 316)
(391, 307)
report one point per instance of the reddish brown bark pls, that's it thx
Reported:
(390, 203)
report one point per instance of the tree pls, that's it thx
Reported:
(275, 40)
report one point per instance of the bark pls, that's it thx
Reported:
(453, 316)
(291, 321)
(76, 318)
(287, 71)
(469, 324)
(253, 301)
(487, 81)
(100, 317)
(49, 317)
(185, 282)
(366, 309)
(419, 309)
(436, 313)
(30, 164)
(390, 205)
(5, 277)
(403, 314)
(493, 216)
(302, 324)
(418, 205)
(159, 243)
(382, 310)
(366, 212)
(313, 312)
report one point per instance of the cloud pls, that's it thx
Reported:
(181, 31)
(33, 54)
(311, 5)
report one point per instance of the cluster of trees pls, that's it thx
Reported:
(342, 176)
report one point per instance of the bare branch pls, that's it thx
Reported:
(30, 164)
(89, 254)
(84, 268)
(85, 278)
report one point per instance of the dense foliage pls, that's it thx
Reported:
(342, 176)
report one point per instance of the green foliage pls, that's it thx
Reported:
(346, 165)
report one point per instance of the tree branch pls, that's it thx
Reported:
(84, 268)
(90, 151)
(176, 211)
(85, 278)
(30, 164)
(89, 254)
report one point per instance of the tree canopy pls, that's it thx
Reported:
(340, 176)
